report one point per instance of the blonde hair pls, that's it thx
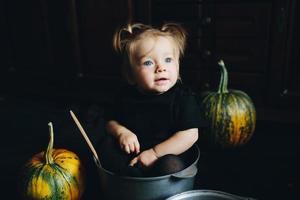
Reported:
(126, 37)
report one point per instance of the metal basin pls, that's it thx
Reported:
(207, 195)
(148, 188)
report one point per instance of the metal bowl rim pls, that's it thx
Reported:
(195, 193)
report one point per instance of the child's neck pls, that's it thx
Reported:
(151, 93)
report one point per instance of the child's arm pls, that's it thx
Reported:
(176, 144)
(127, 139)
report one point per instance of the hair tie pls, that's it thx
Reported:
(129, 28)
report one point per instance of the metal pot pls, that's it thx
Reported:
(207, 195)
(148, 188)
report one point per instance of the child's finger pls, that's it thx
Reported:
(132, 147)
(133, 161)
(127, 149)
(137, 147)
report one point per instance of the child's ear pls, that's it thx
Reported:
(179, 80)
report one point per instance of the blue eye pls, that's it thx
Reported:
(168, 60)
(148, 63)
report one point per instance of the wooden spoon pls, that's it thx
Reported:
(83, 133)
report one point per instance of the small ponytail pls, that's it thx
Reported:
(178, 33)
(126, 35)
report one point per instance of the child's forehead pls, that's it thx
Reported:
(149, 44)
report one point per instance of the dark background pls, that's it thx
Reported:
(56, 56)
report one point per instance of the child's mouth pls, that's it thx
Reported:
(161, 80)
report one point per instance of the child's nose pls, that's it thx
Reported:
(160, 68)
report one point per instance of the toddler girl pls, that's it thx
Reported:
(155, 118)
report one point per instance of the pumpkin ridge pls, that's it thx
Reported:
(224, 117)
(249, 117)
(245, 113)
(241, 121)
(245, 126)
(216, 116)
(244, 129)
(227, 118)
(37, 183)
(51, 176)
(70, 179)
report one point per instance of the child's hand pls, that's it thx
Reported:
(129, 142)
(146, 158)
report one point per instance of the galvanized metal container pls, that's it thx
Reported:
(148, 188)
(207, 195)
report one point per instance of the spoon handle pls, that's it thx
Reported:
(83, 133)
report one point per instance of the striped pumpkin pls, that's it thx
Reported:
(53, 174)
(231, 114)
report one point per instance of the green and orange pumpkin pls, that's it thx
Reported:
(53, 174)
(230, 113)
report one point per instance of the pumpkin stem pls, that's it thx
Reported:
(224, 78)
(48, 154)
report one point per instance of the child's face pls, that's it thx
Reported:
(156, 65)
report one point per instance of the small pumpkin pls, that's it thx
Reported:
(230, 113)
(53, 174)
